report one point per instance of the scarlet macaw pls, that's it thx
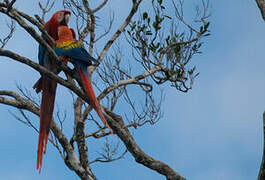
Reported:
(72, 49)
(47, 85)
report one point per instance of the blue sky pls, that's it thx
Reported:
(212, 132)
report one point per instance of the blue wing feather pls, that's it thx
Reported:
(42, 51)
(76, 54)
(41, 55)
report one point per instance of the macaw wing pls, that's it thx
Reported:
(42, 51)
(41, 55)
(76, 54)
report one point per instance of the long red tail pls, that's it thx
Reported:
(38, 85)
(46, 111)
(92, 97)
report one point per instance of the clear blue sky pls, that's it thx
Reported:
(212, 132)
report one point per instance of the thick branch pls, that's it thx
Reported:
(116, 123)
(261, 5)
(80, 135)
(14, 14)
(45, 71)
(71, 160)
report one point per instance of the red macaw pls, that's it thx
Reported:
(72, 49)
(47, 85)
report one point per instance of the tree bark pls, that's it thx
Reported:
(116, 123)
(262, 166)
(261, 5)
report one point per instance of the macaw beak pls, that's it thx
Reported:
(66, 18)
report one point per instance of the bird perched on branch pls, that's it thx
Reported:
(69, 48)
(47, 85)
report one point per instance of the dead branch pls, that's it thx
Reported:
(116, 123)
(5, 40)
(79, 134)
(100, 6)
(134, 80)
(120, 30)
(261, 5)
(45, 9)
(161, 58)
(261, 175)
(109, 154)
(71, 159)
(43, 70)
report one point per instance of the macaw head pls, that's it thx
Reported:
(59, 18)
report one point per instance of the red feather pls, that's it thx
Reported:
(52, 25)
(48, 88)
(46, 111)
(92, 97)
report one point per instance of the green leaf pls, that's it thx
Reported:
(201, 29)
(177, 49)
(155, 25)
(167, 40)
(160, 1)
(145, 15)
(207, 25)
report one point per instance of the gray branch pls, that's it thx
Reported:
(71, 159)
(120, 30)
(45, 71)
(261, 175)
(116, 123)
(261, 5)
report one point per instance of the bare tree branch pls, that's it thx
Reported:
(261, 175)
(45, 9)
(16, 15)
(120, 30)
(11, 27)
(45, 71)
(109, 153)
(71, 158)
(162, 55)
(9, 4)
(261, 5)
(90, 27)
(79, 134)
(134, 80)
(116, 123)
(100, 6)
